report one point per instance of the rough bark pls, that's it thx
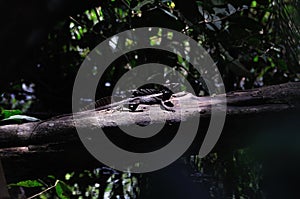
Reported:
(53, 144)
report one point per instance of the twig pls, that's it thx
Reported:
(38, 194)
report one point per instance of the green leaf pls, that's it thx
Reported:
(63, 191)
(28, 183)
(180, 59)
(8, 113)
(253, 4)
(69, 175)
(51, 177)
(263, 71)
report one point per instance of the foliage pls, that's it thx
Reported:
(28, 183)
(236, 174)
(98, 183)
(16, 99)
(246, 40)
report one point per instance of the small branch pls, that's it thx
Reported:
(38, 194)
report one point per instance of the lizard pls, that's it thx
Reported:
(140, 96)
(147, 96)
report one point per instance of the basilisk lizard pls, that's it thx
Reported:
(140, 96)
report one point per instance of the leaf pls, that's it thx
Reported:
(51, 177)
(253, 4)
(180, 59)
(8, 113)
(263, 71)
(210, 27)
(28, 183)
(170, 14)
(221, 11)
(255, 59)
(22, 118)
(206, 16)
(231, 9)
(245, 7)
(217, 22)
(200, 9)
(63, 191)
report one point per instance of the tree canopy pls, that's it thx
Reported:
(253, 43)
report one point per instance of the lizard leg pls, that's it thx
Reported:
(167, 105)
(132, 107)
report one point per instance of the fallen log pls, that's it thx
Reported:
(54, 144)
